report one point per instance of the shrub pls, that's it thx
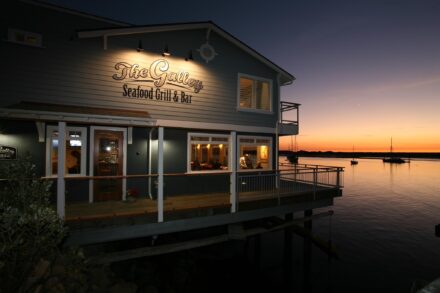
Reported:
(30, 229)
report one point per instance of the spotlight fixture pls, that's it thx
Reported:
(166, 52)
(140, 48)
(190, 56)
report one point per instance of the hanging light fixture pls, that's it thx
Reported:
(166, 52)
(190, 56)
(140, 47)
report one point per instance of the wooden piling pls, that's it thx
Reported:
(308, 225)
(288, 253)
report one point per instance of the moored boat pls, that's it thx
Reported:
(391, 159)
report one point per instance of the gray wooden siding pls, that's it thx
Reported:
(79, 72)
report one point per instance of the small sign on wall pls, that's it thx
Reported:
(8, 153)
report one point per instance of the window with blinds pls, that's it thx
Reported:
(255, 94)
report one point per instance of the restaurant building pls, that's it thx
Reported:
(173, 126)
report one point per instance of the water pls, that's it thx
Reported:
(383, 228)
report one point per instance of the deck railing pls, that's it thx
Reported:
(216, 190)
(289, 180)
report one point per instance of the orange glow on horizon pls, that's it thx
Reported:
(369, 144)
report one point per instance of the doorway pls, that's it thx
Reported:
(108, 160)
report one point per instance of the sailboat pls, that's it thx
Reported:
(292, 157)
(391, 159)
(354, 162)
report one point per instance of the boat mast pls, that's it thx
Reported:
(391, 147)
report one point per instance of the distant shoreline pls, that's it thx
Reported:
(330, 154)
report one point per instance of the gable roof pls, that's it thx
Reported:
(285, 77)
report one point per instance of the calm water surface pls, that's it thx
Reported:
(383, 228)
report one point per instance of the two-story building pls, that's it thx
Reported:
(154, 129)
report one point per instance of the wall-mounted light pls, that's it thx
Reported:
(166, 52)
(140, 47)
(189, 56)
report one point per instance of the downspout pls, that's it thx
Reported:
(150, 138)
(277, 172)
(278, 122)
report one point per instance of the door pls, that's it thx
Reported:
(108, 161)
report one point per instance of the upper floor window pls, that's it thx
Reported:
(25, 37)
(76, 147)
(254, 93)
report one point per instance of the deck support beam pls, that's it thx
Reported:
(307, 251)
(160, 176)
(288, 252)
(233, 178)
(61, 188)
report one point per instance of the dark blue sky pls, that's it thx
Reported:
(366, 70)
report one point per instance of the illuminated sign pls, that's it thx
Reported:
(159, 75)
(8, 153)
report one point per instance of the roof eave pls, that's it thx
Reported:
(186, 26)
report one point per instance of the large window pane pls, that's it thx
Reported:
(75, 151)
(209, 157)
(254, 94)
(246, 92)
(54, 152)
(208, 153)
(255, 153)
(262, 95)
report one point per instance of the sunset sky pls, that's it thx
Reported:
(366, 70)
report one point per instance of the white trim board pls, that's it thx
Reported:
(214, 126)
(75, 117)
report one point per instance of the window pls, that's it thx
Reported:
(255, 153)
(25, 37)
(208, 152)
(76, 145)
(255, 93)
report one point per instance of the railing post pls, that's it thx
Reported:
(61, 187)
(278, 179)
(160, 176)
(233, 176)
(338, 177)
(315, 181)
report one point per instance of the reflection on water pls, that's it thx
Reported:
(383, 227)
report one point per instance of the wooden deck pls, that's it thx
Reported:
(143, 206)
(80, 212)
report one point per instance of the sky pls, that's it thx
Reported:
(365, 71)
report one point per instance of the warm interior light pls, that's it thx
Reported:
(220, 146)
(75, 142)
(198, 146)
(140, 47)
(263, 152)
(208, 146)
(166, 52)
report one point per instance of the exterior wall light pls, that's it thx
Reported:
(140, 47)
(166, 52)
(190, 56)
